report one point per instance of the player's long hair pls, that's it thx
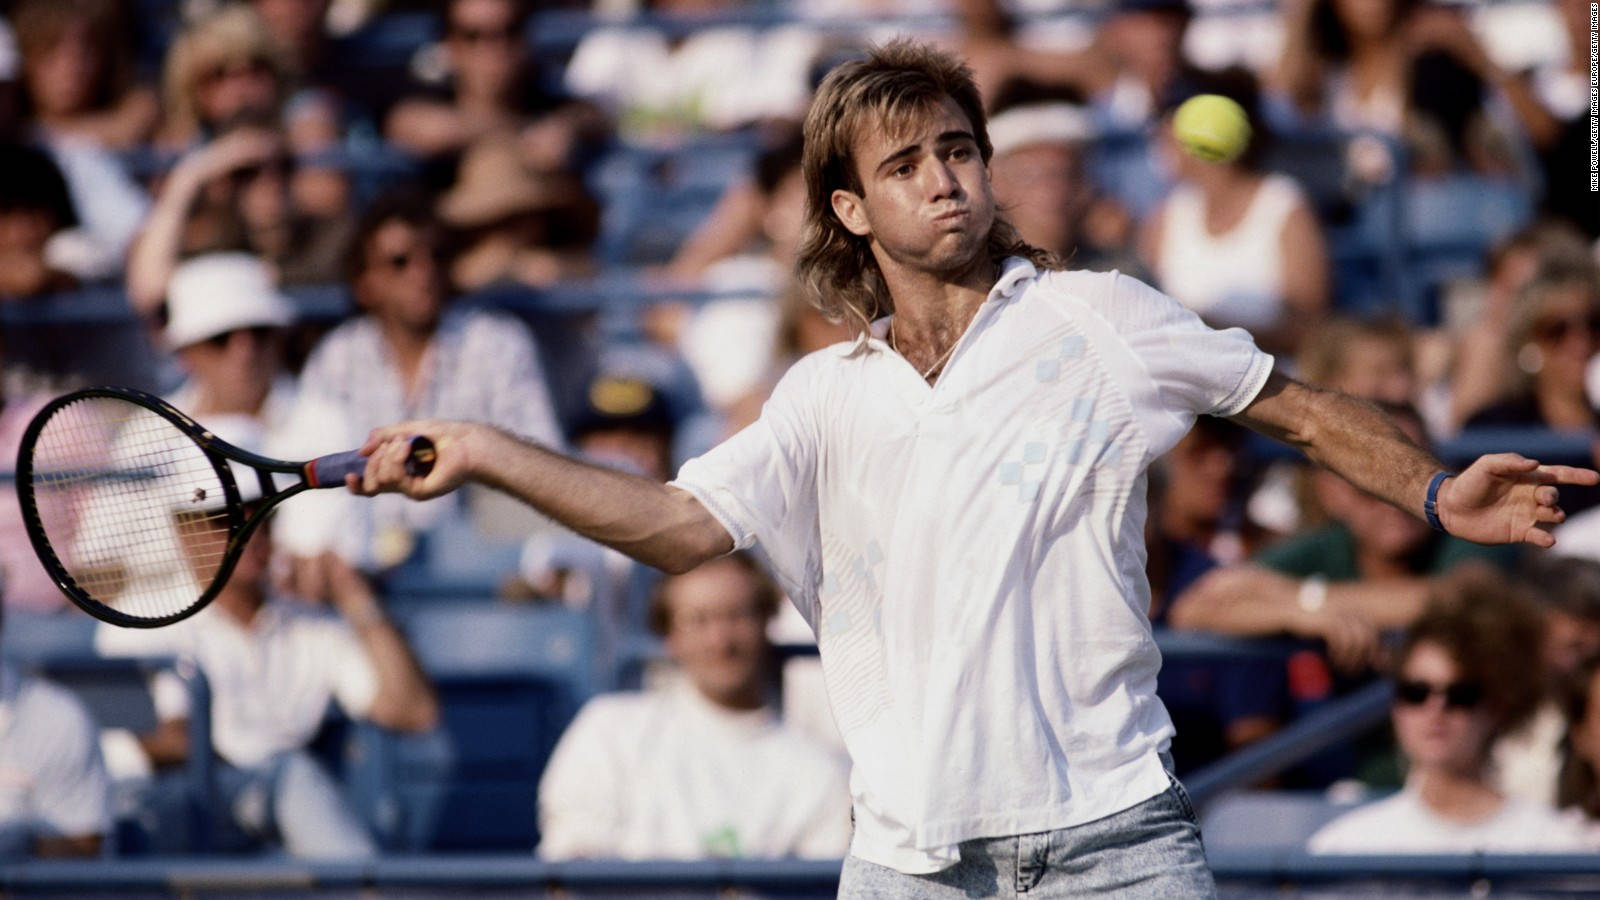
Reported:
(893, 86)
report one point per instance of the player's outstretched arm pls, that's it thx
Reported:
(651, 522)
(1501, 498)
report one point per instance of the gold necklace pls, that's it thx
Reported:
(936, 363)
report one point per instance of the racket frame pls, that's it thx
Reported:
(217, 451)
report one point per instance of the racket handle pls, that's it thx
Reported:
(330, 471)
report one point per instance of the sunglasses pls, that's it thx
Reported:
(1557, 329)
(1457, 695)
(469, 35)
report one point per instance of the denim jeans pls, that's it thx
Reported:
(290, 799)
(1151, 849)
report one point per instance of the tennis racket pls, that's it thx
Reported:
(138, 512)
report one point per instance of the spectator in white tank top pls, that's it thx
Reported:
(1222, 241)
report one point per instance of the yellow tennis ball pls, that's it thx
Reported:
(1212, 127)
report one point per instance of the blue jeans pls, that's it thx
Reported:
(290, 799)
(1151, 849)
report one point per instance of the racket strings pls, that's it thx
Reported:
(132, 507)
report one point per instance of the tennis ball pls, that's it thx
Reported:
(1212, 127)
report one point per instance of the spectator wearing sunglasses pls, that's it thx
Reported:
(408, 354)
(1462, 680)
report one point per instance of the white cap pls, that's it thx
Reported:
(1043, 123)
(222, 292)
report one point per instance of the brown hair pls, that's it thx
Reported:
(766, 593)
(1490, 630)
(40, 25)
(893, 85)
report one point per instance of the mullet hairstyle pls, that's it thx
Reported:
(894, 85)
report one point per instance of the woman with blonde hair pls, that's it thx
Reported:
(222, 67)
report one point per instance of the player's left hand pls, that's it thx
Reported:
(1506, 498)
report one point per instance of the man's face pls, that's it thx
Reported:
(235, 369)
(926, 203)
(1042, 188)
(717, 632)
(485, 44)
(402, 282)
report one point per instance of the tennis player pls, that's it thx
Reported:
(956, 503)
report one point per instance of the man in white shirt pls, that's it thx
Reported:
(701, 767)
(272, 668)
(955, 501)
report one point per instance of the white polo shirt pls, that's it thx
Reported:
(270, 682)
(971, 554)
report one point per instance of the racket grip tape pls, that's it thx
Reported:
(330, 471)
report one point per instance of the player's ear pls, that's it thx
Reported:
(848, 207)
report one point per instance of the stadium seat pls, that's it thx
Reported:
(509, 680)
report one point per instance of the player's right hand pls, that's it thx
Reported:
(386, 450)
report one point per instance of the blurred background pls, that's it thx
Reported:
(300, 219)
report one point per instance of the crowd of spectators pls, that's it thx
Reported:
(212, 165)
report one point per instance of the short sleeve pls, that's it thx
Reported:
(760, 484)
(1180, 367)
(70, 796)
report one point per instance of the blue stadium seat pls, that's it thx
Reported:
(509, 680)
(653, 198)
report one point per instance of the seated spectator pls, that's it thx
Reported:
(1479, 376)
(234, 194)
(1369, 568)
(514, 224)
(225, 323)
(1552, 336)
(273, 666)
(35, 208)
(492, 89)
(702, 767)
(657, 86)
(77, 65)
(1041, 180)
(1527, 761)
(225, 69)
(80, 90)
(408, 354)
(1239, 245)
(54, 794)
(1195, 524)
(1461, 681)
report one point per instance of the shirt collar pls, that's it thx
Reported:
(1015, 273)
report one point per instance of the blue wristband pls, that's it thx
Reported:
(1430, 506)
